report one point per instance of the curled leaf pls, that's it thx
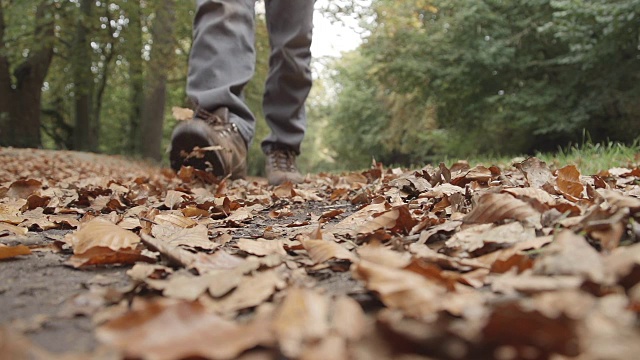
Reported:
(492, 208)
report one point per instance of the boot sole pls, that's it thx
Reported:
(185, 138)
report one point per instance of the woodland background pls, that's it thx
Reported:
(432, 79)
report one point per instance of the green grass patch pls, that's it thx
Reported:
(590, 158)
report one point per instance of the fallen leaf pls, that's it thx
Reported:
(12, 229)
(536, 172)
(284, 190)
(568, 182)
(7, 252)
(182, 330)
(493, 208)
(261, 247)
(321, 251)
(174, 220)
(101, 233)
(251, 292)
(511, 325)
(21, 189)
(181, 114)
(348, 319)
(173, 253)
(183, 285)
(302, 318)
(378, 254)
(98, 255)
(570, 254)
(620, 200)
(195, 237)
(401, 289)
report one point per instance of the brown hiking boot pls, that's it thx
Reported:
(281, 167)
(209, 142)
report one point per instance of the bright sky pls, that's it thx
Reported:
(332, 39)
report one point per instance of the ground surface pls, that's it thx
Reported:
(101, 257)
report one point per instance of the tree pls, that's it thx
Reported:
(85, 129)
(22, 74)
(156, 88)
(136, 74)
(498, 76)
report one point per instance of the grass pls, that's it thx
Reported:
(590, 158)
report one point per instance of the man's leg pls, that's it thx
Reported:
(290, 25)
(222, 59)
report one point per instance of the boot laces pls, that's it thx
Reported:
(283, 160)
(216, 121)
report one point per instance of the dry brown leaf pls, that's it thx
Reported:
(284, 191)
(476, 237)
(570, 254)
(321, 251)
(510, 325)
(532, 193)
(185, 286)
(568, 182)
(493, 208)
(220, 260)
(101, 233)
(348, 319)
(381, 255)
(174, 220)
(181, 114)
(624, 264)
(98, 255)
(536, 172)
(195, 237)
(174, 198)
(21, 189)
(12, 229)
(401, 289)
(302, 318)
(252, 291)
(11, 214)
(223, 282)
(349, 224)
(386, 220)
(7, 252)
(179, 331)
(140, 272)
(173, 253)
(331, 346)
(620, 200)
(261, 247)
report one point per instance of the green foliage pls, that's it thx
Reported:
(494, 76)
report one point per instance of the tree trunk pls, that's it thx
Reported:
(108, 51)
(20, 101)
(85, 132)
(136, 77)
(161, 57)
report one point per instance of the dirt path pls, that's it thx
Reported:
(106, 258)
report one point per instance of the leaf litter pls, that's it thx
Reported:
(443, 262)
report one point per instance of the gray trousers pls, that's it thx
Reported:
(222, 61)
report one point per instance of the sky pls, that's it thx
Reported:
(332, 39)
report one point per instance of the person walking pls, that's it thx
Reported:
(221, 63)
